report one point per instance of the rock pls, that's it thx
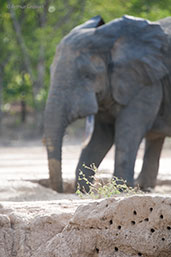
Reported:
(25, 226)
(122, 227)
(138, 225)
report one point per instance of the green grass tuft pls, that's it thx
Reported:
(100, 189)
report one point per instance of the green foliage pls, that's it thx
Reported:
(100, 189)
(26, 56)
(109, 9)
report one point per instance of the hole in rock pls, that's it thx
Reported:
(106, 205)
(151, 209)
(161, 216)
(139, 254)
(163, 239)
(134, 212)
(133, 222)
(119, 227)
(152, 230)
(116, 249)
(168, 227)
(147, 219)
(97, 250)
(111, 222)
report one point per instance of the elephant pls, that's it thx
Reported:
(120, 72)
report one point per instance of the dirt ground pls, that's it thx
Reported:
(23, 162)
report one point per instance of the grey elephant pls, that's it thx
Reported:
(121, 73)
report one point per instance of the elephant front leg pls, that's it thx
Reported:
(132, 123)
(101, 141)
(147, 177)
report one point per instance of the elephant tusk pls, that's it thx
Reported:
(89, 128)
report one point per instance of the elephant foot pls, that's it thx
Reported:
(144, 186)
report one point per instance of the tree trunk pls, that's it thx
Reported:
(19, 37)
(1, 98)
(39, 83)
(23, 111)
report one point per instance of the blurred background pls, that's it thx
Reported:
(29, 33)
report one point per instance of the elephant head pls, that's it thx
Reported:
(94, 63)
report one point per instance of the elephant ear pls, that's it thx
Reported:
(137, 57)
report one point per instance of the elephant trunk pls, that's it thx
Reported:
(55, 125)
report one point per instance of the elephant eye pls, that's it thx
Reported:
(89, 75)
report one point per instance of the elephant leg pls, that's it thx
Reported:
(147, 177)
(101, 141)
(132, 123)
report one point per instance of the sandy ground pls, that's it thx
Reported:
(24, 162)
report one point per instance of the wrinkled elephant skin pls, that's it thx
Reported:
(121, 73)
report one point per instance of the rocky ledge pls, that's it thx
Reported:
(138, 225)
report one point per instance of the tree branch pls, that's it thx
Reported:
(42, 19)
(71, 9)
(26, 58)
